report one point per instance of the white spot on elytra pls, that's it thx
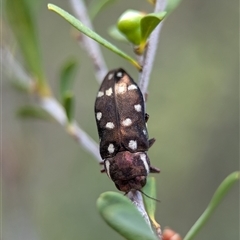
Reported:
(144, 160)
(110, 76)
(110, 125)
(132, 144)
(132, 87)
(138, 107)
(100, 94)
(109, 92)
(144, 132)
(121, 88)
(99, 115)
(127, 122)
(107, 167)
(111, 148)
(119, 74)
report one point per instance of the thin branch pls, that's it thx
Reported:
(91, 47)
(136, 198)
(149, 57)
(14, 70)
(87, 142)
(52, 106)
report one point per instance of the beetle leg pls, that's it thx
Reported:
(146, 117)
(102, 170)
(154, 170)
(151, 142)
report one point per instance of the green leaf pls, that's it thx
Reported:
(67, 75)
(129, 24)
(22, 21)
(88, 32)
(34, 112)
(66, 82)
(116, 34)
(221, 192)
(96, 6)
(150, 190)
(68, 104)
(120, 214)
(150, 204)
(149, 23)
(137, 27)
(172, 5)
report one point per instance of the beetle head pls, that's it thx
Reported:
(128, 170)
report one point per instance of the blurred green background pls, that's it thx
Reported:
(51, 184)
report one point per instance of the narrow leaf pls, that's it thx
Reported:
(88, 32)
(150, 204)
(68, 104)
(221, 192)
(120, 214)
(150, 190)
(22, 21)
(67, 75)
(34, 112)
(116, 34)
(172, 5)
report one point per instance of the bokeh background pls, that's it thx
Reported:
(51, 184)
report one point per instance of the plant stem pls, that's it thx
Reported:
(91, 46)
(149, 56)
(52, 106)
(137, 200)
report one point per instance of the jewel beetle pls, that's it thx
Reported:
(123, 136)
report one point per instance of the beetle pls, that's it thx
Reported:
(123, 136)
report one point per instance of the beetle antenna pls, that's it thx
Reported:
(148, 196)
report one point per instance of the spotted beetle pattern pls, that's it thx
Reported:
(121, 122)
